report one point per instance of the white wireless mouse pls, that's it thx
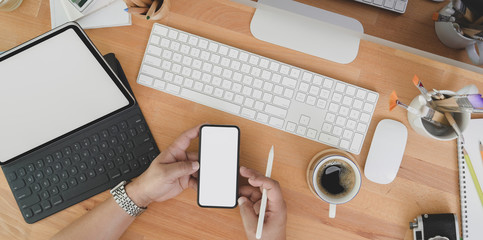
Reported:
(386, 152)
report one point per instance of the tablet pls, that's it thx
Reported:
(53, 86)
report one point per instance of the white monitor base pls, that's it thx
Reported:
(307, 29)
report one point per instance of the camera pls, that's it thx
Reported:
(435, 227)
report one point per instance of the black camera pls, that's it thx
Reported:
(435, 227)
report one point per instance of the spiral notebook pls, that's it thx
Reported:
(471, 206)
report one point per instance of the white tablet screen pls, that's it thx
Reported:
(50, 89)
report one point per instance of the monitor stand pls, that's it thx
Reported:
(307, 29)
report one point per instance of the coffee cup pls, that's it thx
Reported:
(427, 129)
(450, 37)
(334, 177)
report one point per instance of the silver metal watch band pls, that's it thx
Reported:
(124, 201)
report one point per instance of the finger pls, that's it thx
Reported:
(256, 207)
(248, 172)
(137, 10)
(193, 183)
(193, 156)
(140, 3)
(179, 169)
(183, 141)
(274, 192)
(250, 192)
(248, 215)
(129, 3)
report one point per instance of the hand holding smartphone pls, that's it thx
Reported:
(219, 163)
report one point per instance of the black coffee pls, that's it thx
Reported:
(335, 178)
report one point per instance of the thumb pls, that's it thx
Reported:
(248, 215)
(180, 169)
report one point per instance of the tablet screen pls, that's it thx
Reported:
(52, 86)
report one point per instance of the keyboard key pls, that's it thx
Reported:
(30, 179)
(46, 205)
(276, 122)
(82, 178)
(36, 187)
(36, 209)
(21, 172)
(261, 117)
(40, 163)
(31, 168)
(63, 186)
(100, 169)
(11, 176)
(114, 174)
(248, 113)
(45, 183)
(45, 194)
(27, 213)
(54, 191)
(57, 200)
(328, 139)
(27, 202)
(304, 120)
(311, 133)
(356, 142)
(301, 130)
(55, 179)
(134, 164)
(210, 101)
(23, 193)
(72, 182)
(276, 111)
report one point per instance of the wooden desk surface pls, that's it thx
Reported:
(427, 181)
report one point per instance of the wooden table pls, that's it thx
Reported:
(427, 181)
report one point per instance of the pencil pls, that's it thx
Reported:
(137, 10)
(153, 9)
(263, 206)
(473, 176)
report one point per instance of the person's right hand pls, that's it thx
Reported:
(249, 204)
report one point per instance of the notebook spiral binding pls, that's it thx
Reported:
(462, 172)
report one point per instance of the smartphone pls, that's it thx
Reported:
(80, 5)
(219, 159)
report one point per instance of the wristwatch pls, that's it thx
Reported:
(124, 201)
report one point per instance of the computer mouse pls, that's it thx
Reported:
(386, 151)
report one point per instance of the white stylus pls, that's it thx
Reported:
(261, 216)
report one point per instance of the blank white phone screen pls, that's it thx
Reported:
(218, 166)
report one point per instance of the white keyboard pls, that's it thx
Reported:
(257, 88)
(392, 5)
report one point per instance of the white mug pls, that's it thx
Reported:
(429, 130)
(448, 35)
(315, 166)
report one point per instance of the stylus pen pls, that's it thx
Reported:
(261, 216)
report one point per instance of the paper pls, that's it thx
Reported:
(111, 16)
(471, 207)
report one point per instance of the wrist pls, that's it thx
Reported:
(135, 192)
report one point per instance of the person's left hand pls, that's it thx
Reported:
(169, 174)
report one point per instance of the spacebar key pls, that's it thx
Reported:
(84, 187)
(210, 101)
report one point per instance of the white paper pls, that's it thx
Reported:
(472, 210)
(111, 16)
